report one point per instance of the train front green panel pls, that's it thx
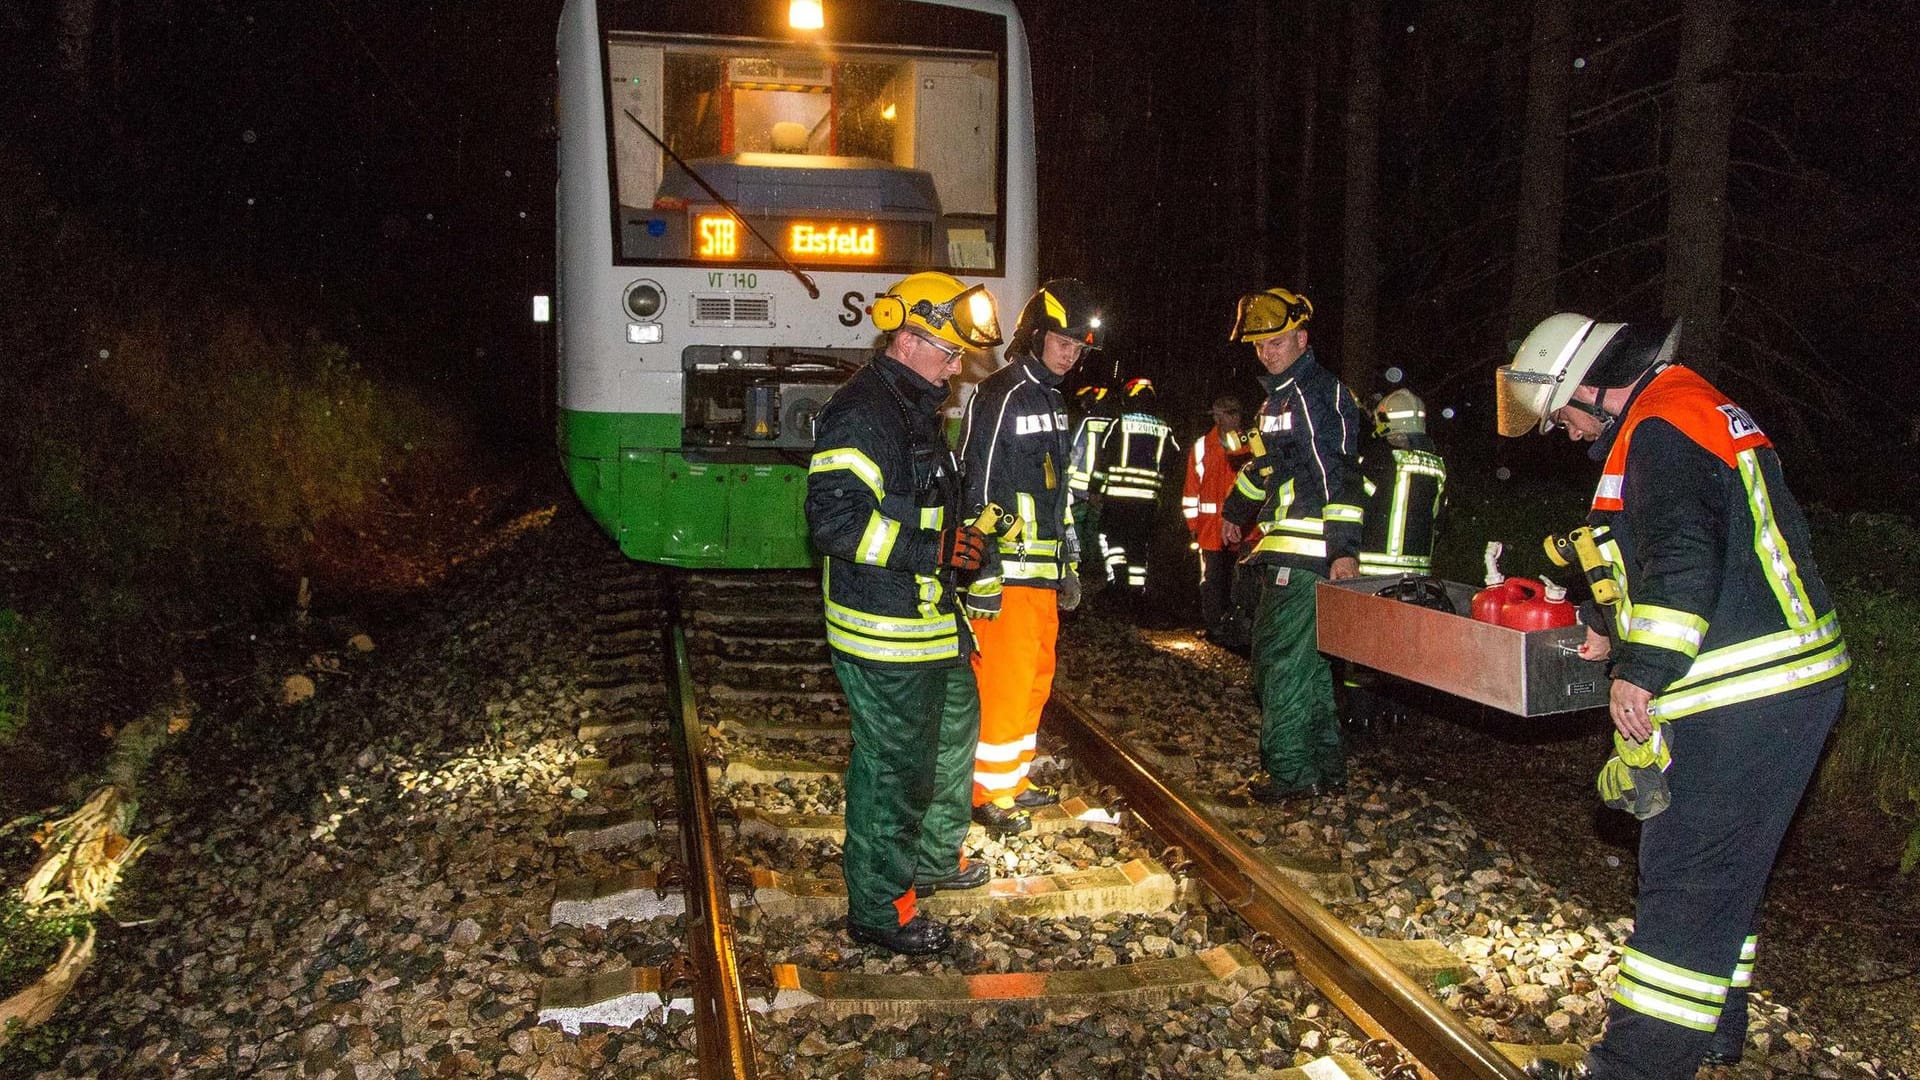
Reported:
(634, 480)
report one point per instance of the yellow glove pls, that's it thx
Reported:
(1634, 779)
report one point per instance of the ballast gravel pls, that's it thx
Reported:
(353, 898)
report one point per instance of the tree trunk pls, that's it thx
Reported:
(1258, 177)
(1543, 167)
(1303, 192)
(74, 22)
(1697, 180)
(1360, 265)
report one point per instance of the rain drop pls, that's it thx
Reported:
(1503, 473)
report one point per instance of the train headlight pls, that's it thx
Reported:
(644, 300)
(643, 333)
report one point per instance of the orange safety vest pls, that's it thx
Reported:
(1210, 476)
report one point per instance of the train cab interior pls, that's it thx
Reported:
(867, 157)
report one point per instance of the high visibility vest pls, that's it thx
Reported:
(1397, 534)
(1210, 476)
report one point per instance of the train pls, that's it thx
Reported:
(736, 182)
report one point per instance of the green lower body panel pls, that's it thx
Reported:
(661, 507)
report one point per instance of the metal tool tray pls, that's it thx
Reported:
(1533, 673)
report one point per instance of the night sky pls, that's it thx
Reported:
(398, 161)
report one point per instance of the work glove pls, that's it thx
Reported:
(962, 547)
(981, 599)
(1069, 589)
(1634, 779)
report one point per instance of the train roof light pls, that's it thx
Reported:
(806, 15)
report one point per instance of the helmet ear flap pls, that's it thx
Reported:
(889, 312)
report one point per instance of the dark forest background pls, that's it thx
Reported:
(268, 264)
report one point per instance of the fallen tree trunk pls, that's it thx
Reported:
(32, 1006)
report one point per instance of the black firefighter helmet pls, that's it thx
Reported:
(1065, 306)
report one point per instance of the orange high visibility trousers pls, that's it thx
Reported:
(1014, 669)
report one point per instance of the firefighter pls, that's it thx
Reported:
(1211, 468)
(1133, 454)
(1096, 408)
(1726, 662)
(1302, 487)
(883, 494)
(1405, 482)
(1016, 452)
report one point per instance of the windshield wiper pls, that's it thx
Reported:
(813, 291)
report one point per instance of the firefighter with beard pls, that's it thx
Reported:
(1016, 452)
(883, 497)
(1726, 661)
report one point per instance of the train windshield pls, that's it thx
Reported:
(835, 156)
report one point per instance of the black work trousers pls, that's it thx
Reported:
(1738, 774)
(1126, 528)
(1216, 592)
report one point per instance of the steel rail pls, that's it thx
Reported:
(721, 1018)
(1375, 994)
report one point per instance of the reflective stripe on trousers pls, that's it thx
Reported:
(1014, 667)
(1737, 776)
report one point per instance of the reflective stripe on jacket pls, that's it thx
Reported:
(877, 490)
(1721, 602)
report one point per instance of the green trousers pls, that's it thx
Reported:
(909, 783)
(1299, 728)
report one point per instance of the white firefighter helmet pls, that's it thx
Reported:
(1550, 365)
(1568, 351)
(1400, 413)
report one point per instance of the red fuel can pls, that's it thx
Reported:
(1523, 604)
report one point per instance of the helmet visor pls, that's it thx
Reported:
(968, 319)
(1521, 400)
(1262, 315)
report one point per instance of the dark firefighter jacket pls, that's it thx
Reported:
(878, 489)
(1405, 487)
(1722, 602)
(1304, 489)
(1016, 450)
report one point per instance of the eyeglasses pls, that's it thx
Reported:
(949, 352)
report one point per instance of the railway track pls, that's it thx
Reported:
(713, 892)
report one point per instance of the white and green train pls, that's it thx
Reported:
(737, 181)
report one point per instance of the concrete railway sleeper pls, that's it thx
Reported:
(721, 893)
